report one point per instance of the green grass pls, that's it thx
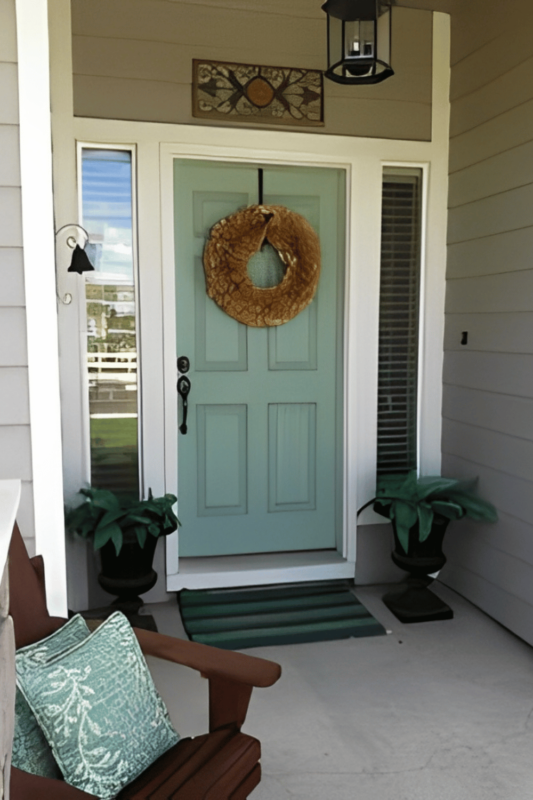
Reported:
(114, 433)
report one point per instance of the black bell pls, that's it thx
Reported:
(80, 261)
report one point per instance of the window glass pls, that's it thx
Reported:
(107, 212)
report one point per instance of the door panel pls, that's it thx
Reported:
(258, 468)
(294, 346)
(220, 341)
(222, 460)
(292, 457)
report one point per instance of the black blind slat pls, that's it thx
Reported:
(398, 322)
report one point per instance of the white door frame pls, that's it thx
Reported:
(156, 145)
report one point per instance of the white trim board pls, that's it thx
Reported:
(40, 295)
(364, 159)
(261, 570)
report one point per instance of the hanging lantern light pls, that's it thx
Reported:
(359, 41)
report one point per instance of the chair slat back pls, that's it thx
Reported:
(27, 603)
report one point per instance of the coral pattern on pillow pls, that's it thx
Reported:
(234, 240)
(99, 709)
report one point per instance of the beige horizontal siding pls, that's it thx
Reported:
(495, 175)
(496, 412)
(492, 333)
(506, 373)
(502, 212)
(9, 110)
(503, 605)
(296, 8)
(9, 162)
(13, 348)
(10, 217)
(14, 399)
(508, 535)
(501, 133)
(503, 93)
(133, 61)
(498, 254)
(489, 62)
(15, 453)
(8, 27)
(497, 567)
(477, 23)
(155, 60)
(488, 383)
(510, 495)
(11, 276)
(510, 454)
(506, 292)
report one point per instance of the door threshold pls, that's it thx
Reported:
(259, 569)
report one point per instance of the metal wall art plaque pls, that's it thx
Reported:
(248, 93)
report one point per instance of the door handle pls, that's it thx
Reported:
(184, 387)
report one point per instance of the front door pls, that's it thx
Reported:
(260, 466)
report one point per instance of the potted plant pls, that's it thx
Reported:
(126, 533)
(420, 510)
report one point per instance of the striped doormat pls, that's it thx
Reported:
(282, 614)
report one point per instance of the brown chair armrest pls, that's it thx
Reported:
(212, 662)
(231, 675)
(32, 787)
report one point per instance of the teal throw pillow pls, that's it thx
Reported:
(99, 709)
(31, 751)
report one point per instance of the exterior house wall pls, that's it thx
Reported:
(15, 445)
(488, 384)
(132, 59)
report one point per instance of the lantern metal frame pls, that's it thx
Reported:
(362, 69)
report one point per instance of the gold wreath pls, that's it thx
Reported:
(234, 240)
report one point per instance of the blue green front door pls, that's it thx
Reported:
(260, 467)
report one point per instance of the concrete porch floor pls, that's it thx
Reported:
(433, 711)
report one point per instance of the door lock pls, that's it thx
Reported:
(184, 364)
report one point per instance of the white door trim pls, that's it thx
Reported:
(156, 145)
(231, 571)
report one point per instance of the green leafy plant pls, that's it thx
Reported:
(104, 517)
(411, 500)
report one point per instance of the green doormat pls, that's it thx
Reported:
(282, 614)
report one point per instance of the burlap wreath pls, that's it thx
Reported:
(234, 241)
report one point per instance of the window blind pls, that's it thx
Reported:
(399, 321)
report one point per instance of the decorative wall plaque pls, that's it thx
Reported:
(248, 93)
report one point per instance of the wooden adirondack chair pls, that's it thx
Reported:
(220, 765)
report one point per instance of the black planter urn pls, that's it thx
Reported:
(413, 601)
(129, 575)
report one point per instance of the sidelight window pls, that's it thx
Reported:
(399, 321)
(108, 216)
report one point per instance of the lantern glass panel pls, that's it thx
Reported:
(352, 39)
(359, 39)
(335, 41)
(384, 37)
